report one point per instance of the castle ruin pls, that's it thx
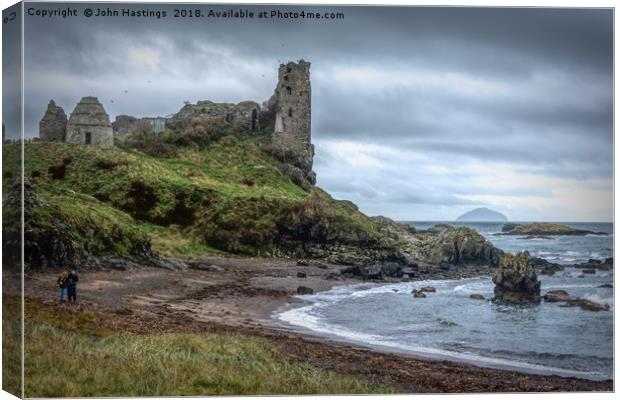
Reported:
(89, 124)
(53, 125)
(286, 115)
(288, 112)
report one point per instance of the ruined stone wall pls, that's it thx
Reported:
(53, 125)
(127, 124)
(123, 124)
(243, 117)
(100, 136)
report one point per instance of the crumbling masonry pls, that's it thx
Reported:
(286, 114)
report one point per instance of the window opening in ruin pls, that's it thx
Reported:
(290, 112)
(288, 69)
(285, 78)
(87, 139)
(289, 90)
(229, 118)
(254, 118)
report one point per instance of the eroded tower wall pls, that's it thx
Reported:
(292, 124)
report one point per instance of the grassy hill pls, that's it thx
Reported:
(226, 197)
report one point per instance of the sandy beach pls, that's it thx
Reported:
(239, 295)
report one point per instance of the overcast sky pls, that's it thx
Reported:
(417, 113)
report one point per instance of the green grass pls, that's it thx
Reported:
(226, 197)
(66, 356)
(11, 346)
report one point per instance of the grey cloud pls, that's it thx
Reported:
(552, 109)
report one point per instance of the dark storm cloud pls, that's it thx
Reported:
(11, 72)
(531, 87)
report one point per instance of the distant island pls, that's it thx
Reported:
(482, 214)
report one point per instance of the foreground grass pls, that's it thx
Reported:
(11, 347)
(64, 360)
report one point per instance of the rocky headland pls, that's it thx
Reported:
(544, 229)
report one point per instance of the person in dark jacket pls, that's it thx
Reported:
(62, 284)
(72, 280)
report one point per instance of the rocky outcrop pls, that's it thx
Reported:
(601, 265)
(545, 267)
(516, 281)
(304, 290)
(554, 296)
(587, 305)
(54, 240)
(53, 125)
(374, 272)
(538, 229)
(444, 244)
(477, 296)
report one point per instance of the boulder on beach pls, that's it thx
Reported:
(428, 289)
(418, 293)
(477, 296)
(374, 272)
(305, 290)
(607, 286)
(333, 276)
(553, 296)
(516, 281)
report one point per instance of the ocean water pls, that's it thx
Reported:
(545, 338)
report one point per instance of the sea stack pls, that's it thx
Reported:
(515, 280)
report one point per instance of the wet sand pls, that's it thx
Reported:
(239, 295)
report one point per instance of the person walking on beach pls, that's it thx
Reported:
(62, 284)
(72, 280)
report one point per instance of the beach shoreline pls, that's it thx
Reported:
(241, 295)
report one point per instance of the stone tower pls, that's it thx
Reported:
(53, 125)
(89, 124)
(291, 104)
